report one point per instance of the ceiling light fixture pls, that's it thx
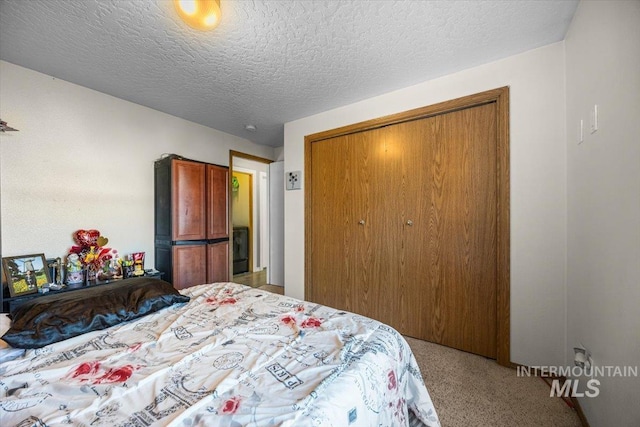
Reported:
(199, 14)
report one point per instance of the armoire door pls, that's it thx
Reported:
(218, 262)
(189, 200)
(217, 202)
(189, 265)
(403, 226)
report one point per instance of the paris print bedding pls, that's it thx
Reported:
(231, 356)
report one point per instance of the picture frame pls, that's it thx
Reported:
(25, 273)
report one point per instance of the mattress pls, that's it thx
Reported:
(231, 356)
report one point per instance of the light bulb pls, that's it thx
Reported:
(199, 14)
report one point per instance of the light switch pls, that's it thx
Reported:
(581, 132)
(594, 119)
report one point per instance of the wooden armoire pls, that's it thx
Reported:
(407, 222)
(191, 221)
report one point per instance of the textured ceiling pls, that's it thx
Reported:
(268, 62)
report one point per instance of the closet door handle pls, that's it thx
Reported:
(361, 222)
(409, 222)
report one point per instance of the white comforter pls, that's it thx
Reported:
(232, 356)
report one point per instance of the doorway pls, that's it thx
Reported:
(251, 199)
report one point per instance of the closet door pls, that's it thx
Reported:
(404, 226)
(431, 256)
(449, 229)
(413, 142)
(335, 226)
(353, 250)
(378, 262)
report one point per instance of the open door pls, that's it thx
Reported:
(251, 204)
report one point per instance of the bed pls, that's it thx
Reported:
(229, 356)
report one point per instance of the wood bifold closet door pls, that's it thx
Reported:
(403, 226)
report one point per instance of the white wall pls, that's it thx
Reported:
(603, 263)
(275, 273)
(83, 159)
(278, 154)
(538, 192)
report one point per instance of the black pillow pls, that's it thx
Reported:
(57, 317)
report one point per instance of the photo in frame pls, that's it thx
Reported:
(25, 273)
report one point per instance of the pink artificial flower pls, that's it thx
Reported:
(231, 405)
(300, 308)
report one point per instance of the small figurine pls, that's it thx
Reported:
(58, 279)
(138, 263)
(75, 274)
(57, 266)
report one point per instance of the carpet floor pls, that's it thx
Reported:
(470, 390)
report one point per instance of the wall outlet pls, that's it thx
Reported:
(293, 180)
(582, 359)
